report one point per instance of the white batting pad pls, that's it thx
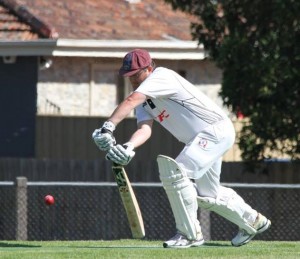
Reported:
(182, 197)
(231, 206)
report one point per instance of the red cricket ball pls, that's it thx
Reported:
(49, 200)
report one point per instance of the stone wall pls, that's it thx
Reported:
(75, 86)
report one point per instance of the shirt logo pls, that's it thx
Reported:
(162, 116)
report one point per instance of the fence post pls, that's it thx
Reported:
(21, 208)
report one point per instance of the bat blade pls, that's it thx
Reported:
(130, 203)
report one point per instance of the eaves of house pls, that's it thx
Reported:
(95, 28)
(172, 50)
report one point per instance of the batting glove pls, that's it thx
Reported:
(103, 137)
(121, 154)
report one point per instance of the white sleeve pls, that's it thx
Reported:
(141, 114)
(160, 84)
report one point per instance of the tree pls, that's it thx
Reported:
(257, 45)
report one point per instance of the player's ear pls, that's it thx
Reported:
(150, 69)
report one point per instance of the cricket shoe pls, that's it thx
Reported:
(261, 224)
(180, 241)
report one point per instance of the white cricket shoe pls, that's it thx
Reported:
(180, 241)
(261, 224)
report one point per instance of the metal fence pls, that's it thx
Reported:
(94, 211)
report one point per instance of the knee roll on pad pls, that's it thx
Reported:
(182, 197)
(229, 205)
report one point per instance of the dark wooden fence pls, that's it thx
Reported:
(71, 138)
(65, 151)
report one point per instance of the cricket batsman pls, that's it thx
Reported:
(192, 179)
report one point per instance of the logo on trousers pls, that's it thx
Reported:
(202, 142)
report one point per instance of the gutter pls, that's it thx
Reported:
(170, 50)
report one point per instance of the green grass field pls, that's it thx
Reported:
(144, 249)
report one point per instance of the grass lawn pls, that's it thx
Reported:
(129, 248)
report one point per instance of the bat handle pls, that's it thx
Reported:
(116, 165)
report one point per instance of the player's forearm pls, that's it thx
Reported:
(143, 133)
(124, 109)
(121, 112)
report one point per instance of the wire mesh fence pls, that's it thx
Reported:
(94, 211)
(280, 203)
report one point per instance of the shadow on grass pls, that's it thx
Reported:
(216, 244)
(4, 244)
(118, 247)
(205, 245)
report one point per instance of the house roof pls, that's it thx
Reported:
(95, 28)
(93, 19)
(17, 23)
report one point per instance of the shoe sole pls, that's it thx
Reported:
(260, 230)
(245, 242)
(196, 244)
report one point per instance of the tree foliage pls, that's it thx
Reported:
(257, 45)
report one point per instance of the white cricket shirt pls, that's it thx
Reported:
(177, 105)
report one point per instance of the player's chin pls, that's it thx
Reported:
(134, 84)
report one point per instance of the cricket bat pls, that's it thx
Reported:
(130, 203)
